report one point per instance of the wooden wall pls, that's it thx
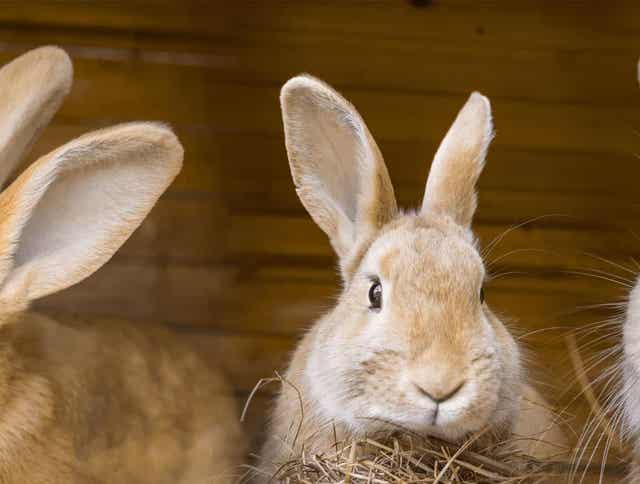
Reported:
(229, 252)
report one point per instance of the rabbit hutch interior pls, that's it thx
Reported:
(230, 261)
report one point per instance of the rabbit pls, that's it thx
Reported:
(630, 390)
(411, 342)
(629, 396)
(98, 402)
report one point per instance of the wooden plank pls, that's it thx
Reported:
(594, 76)
(295, 236)
(195, 97)
(566, 25)
(198, 231)
(161, 93)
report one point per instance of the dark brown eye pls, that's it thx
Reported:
(481, 295)
(375, 295)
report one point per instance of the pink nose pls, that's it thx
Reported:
(440, 393)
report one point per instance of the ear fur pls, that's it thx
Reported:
(32, 87)
(337, 168)
(459, 161)
(68, 213)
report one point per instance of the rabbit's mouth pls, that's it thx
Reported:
(446, 427)
(449, 421)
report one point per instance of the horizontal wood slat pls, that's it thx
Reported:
(472, 24)
(196, 97)
(198, 230)
(595, 77)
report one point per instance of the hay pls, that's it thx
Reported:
(409, 458)
(406, 457)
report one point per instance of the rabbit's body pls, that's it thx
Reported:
(87, 402)
(107, 402)
(411, 343)
(628, 398)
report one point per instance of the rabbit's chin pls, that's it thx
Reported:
(451, 424)
(452, 429)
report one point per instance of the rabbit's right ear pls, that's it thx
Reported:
(68, 213)
(337, 169)
(32, 87)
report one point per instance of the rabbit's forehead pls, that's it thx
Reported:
(421, 252)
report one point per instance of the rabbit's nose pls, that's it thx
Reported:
(440, 393)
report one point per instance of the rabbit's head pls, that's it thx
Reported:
(69, 211)
(411, 342)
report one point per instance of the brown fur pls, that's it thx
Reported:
(101, 402)
(107, 402)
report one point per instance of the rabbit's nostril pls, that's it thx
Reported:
(438, 396)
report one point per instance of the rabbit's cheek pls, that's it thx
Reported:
(631, 364)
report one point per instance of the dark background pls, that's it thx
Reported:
(229, 253)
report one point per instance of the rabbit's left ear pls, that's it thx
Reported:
(459, 162)
(68, 213)
(338, 170)
(32, 87)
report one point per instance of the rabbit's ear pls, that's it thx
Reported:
(32, 87)
(459, 162)
(68, 213)
(337, 169)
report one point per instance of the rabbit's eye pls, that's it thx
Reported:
(375, 295)
(481, 295)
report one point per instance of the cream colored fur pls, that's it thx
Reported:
(630, 393)
(358, 370)
(101, 402)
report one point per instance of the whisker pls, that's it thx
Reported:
(611, 274)
(511, 252)
(598, 276)
(496, 240)
(542, 330)
(493, 277)
(607, 261)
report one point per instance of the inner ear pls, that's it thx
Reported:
(339, 151)
(81, 203)
(337, 169)
(68, 213)
(459, 161)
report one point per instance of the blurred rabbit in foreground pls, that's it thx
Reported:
(629, 397)
(92, 402)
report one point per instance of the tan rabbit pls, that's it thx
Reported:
(411, 341)
(80, 402)
(629, 397)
